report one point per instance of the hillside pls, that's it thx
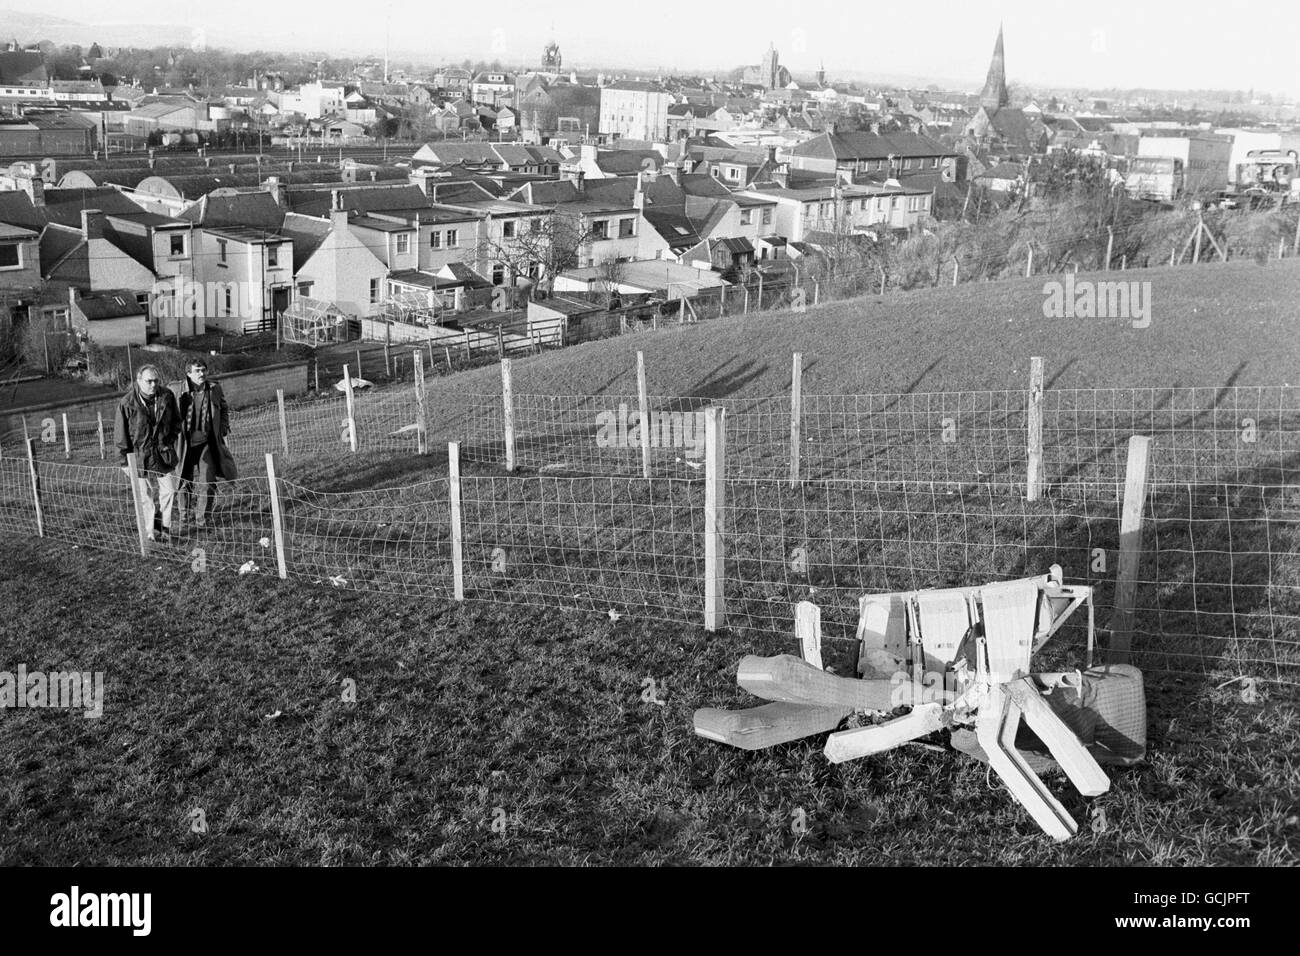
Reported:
(1236, 323)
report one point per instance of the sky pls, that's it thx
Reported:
(1157, 44)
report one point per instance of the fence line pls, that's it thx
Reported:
(1215, 589)
(1233, 435)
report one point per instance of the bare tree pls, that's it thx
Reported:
(541, 249)
(612, 274)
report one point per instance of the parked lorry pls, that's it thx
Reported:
(1268, 177)
(1157, 178)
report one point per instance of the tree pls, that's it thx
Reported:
(542, 248)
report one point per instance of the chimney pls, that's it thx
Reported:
(91, 226)
(580, 180)
(275, 188)
(34, 187)
(72, 296)
(781, 176)
(336, 199)
(771, 155)
(638, 194)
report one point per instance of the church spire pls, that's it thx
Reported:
(994, 96)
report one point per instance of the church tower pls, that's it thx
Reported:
(994, 96)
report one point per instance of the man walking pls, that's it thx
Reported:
(147, 424)
(204, 426)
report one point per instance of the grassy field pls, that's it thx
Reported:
(225, 694)
(498, 704)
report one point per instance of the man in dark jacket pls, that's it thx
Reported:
(148, 424)
(204, 426)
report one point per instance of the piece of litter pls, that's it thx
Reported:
(273, 716)
(614, 615)
(338, 580)
(264, 542)
(248, 567)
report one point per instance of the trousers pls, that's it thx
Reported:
(198, 458)
(161, 505)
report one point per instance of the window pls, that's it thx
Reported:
(599, 229)
(767, 217)
(534, 225)
(304, 289)
(228, 302)
(626, 228)
(498, 274)
(177, 245)
(934, 162)
(451, 238)
(508, 229)
(403, 243)
(746, 217)
(272, 256)
(221, 248)
(733, 174)
(435, 239)
(11, 256)
(374, 291)
(826, 210)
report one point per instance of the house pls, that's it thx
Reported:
(803, 210)
(20, 272)
(720, 254)
(634, 110)
(493, 89)
(336, 263)
(890, 155)
(594, 163)
(251, 271)
(165, 246)
(609, 212)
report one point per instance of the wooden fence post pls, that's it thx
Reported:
(277, 517)
(508, 409)
(100, 418)
(796, 415)
(714, 517)
(1173, 252)
(1123, 262)
(1110, 245)
(954, 272)
(352, 418)
(760, 293)
(1295, 243)
(36, 489)
(359, 375)
(67, 438)
(446, 349)
(643, 403)
(421, 421)
(1130, 550)
(284, 421)
(133, 479)
(1029, 263)
(817, 291)
(722, 301)
(315, 364)
(1034, 477)
(501, 344)
(745, 311)
(453, 495)
(468, 354)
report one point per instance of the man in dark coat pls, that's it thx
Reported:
(204, 426)
(147, 424)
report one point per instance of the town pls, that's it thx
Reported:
(343, 206)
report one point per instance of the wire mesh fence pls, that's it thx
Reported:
(1218, 582)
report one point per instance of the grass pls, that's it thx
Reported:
(461, 710)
